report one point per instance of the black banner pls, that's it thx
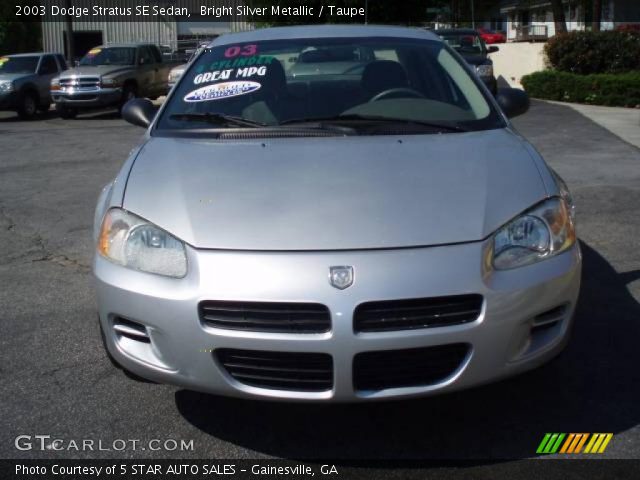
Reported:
(547, 469)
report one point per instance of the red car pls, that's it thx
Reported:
(489, 36)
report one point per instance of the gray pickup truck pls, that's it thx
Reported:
(24, 81)
(110, 75)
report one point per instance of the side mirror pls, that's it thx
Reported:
(513, 101)
(139, 112)
(493, 49)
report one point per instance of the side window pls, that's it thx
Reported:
(145, 57)
(48, 65)
(62, 62)
(157, 56)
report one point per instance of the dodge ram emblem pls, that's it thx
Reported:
(341, 277)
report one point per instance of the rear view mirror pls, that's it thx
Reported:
(513, 101)
(139, 112)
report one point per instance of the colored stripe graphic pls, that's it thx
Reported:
(574, 442)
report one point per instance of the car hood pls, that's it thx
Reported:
(333, 193)
(97, 71)
(14, 76)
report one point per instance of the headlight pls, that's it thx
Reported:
(109, 83)
(484, 70)
(55, 84)
(6, 86)
(132, 242)
(542, 232)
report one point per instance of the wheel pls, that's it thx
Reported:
(28, 106)
(66, 112)
(129, 93)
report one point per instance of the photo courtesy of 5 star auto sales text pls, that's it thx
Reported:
(319, 238)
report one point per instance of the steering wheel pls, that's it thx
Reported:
(409, 91)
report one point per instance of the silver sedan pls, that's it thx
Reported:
(333, 213)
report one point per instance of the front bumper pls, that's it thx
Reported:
(87, 98)
(501, 339)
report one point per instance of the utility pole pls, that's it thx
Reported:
(473, 17)
(68, 20)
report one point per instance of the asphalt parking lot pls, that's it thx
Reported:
(56, 379)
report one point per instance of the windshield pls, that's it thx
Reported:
(109, 56)
(282, 82)
(464, 42)
(18, 64)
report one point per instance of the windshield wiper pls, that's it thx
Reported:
(217, 119)
(379, 118)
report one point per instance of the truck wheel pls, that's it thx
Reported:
(28, 106)
(66, 112)
(129, 93)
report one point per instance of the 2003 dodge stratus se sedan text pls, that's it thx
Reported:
(333, 213)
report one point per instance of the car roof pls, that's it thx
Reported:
(463, 31)
(324, 31)
(32, 54)
(126, 44)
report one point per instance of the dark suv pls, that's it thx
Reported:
(24, 81)
(471, 47)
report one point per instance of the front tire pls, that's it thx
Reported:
(66, 112)
(28, 106)
(129, 93)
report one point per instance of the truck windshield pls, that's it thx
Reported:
(332, 80)
(109, 56)
(18, 64)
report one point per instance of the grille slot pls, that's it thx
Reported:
(304, 372)
(81, 82)
(131, 330)
(412, 314)
(266, 316)
(407, 368)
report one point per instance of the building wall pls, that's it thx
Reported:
(159, 32)
(514, 60)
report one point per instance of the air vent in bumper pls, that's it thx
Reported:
(131, 330)
(412, 314)
(303, 372)
(266, 316)
(407, 368)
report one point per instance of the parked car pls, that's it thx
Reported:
(176, 72)
(490, 36)
(109, 75)
(24, 81)
(471, 47)
(333, 238)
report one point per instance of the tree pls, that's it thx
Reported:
(558, 16)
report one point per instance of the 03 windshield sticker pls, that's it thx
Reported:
(93, 52)
(218, 75)
(244, 51)
(3, 60)
(220, 91)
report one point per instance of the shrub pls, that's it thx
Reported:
(595, 52)
(620, 90)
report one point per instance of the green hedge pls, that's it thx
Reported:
(619, 90)
(595, 52)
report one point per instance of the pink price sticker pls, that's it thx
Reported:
(242, 51)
